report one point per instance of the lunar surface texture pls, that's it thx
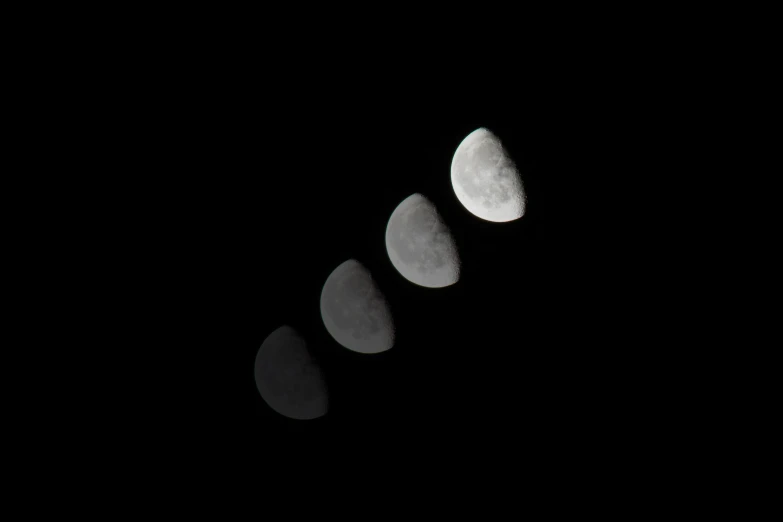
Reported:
(288, 378)
(420, 244)
(354, 310)
(486, 180)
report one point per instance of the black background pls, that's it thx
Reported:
(208, 175)
(257, 179)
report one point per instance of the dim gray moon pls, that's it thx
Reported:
(420, 245)
(354, 311)
(288, 378)
(486, 180)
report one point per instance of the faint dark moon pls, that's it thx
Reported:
(288, 378)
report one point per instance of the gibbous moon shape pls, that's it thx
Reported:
(354, 310)
(420, 244)
(288, 378)
(486, 179)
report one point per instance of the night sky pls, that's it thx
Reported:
(210, 170)
(272, 183)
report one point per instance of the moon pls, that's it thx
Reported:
(288, 378)
(486, 180)
(354, 311)
(420, 245)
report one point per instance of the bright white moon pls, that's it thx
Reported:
(486, 179)
(288, 378)
(354, 310)
(420, 245)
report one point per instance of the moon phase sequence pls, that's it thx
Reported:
(421, 248)
(354, 311)
(420, 245)
(288, 378)
(486, 180)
